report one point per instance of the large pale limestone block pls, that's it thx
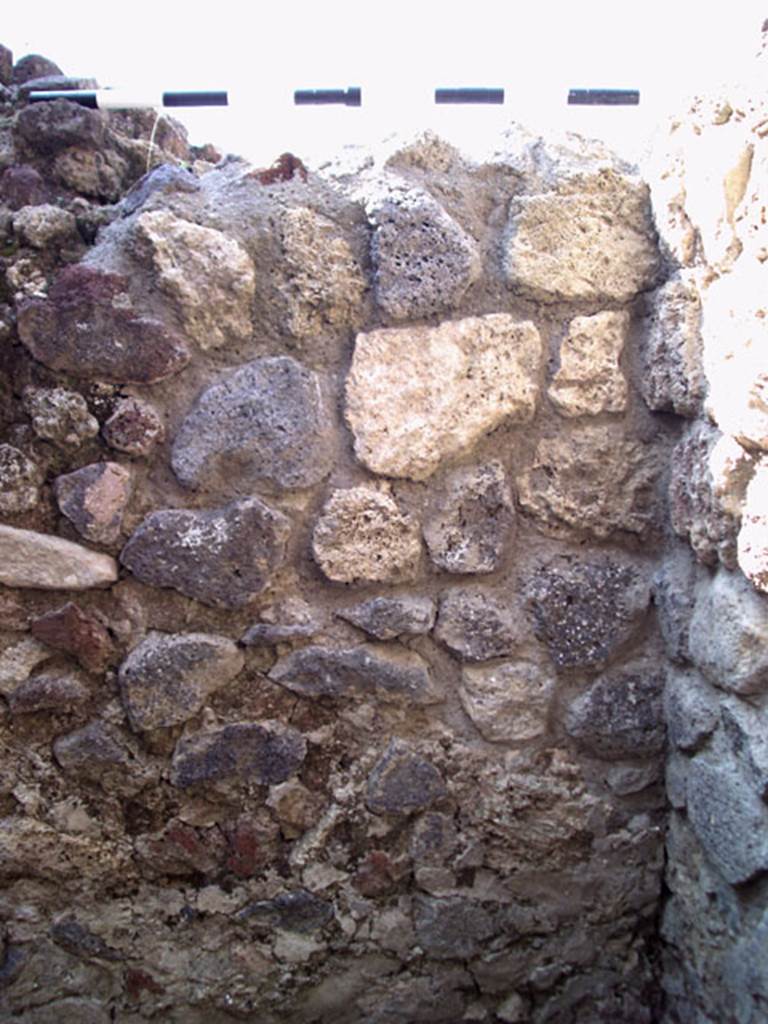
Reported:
(416, 395)
(44, 562)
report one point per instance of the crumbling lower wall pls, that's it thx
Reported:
(332, 507)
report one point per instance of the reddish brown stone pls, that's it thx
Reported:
(88, 327)
(182, 850)
(94, 499)
(137, 981)
(376, 875)
(22, 186)
(81, 634)
(134, 427)
(247, 853)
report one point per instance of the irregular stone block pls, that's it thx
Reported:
(673, 589)
(728, 639)
(402, 782)
(589, 380)
(94, 500)
(265, 424)
(34, 66)
(259, 752)
(167, 678)
(91, 752)
(222, 557)
(57, 692)
(389, 617)
(96, 174)
(470, 520)
(591, 239)
(81, 942)
(626, 779)
(672, 378)
(728, 818)
(20, 480)
(434, 838)
(18, 661)
(45, 226)
(584, 611)
(709, 473)
(325, 284)
(6, 65)
(477, 625)
(362, 535)
(44, 562)
(76, 632)
(297, 911)
(379, 670)
(510, 701)
(453, 928)
(134, 427)
(417, 395)
(752, 542)
(210, 277)
(619, 716)
(22, 186)
(88, 327)
(592, 479)
(746, 728)
(49, 128)
(60, 416)
(691, 710)
(423, 261)
(164, 179)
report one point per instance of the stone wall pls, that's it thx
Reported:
(711, 179)
(332, 509)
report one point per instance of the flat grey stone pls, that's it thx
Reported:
(476, 624)
(386, 618)
(402, 782)
(261, 752)
(691, 709)
(619, 716)
(452, 928)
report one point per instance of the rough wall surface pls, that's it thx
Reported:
(332, 508)
(710, 186)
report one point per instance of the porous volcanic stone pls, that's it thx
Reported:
(752, 543)
(210, 277)
(60, 416)
(50, 128)
(591, 239)
(729, 819)
(168, 677)
(165, 179)
(76, 632)
(222, 557)
(673, 589)
(33, 66)
(325, 284)
(134, 427)
(22, 186)
(94, 499)
(619, 716)
(20, 480)
(87, 326)
(470, 520)
(402, 782)
(585, 610)
(378, 670)
(362, 535)
(93, 173)
(261, 752)
(423, 261)
(672, 378)
(477, 624)
(416, 395)
(452, 928)
(708, 470)
(591, 479)
(589, 380)
(265, 424)
(728, 638)
(746, 729)
(390, 617)
(44, 562)
(508, 701)
(45, 225)
(90, 751)
(691, 709)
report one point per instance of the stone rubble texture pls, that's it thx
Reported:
(420, 562)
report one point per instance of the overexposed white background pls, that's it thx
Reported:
(398, 52)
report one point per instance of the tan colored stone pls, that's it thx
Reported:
(363, 536)
(210, 276)
(589, 380)
(592, 479)
(592, 238)
(508, 701)
(45, 225)
(753, 536)
(416, 395)
(44, 562)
